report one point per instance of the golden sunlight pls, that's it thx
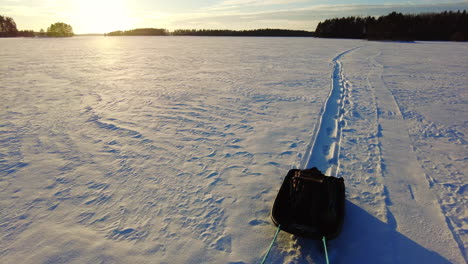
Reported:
(102, 16)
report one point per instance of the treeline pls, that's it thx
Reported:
(8, 29)
(444, 26)
(140, 32)
(213, 32)
(243, 33)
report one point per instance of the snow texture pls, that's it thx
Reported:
(172, 149)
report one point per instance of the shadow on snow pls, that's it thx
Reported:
(366, 239)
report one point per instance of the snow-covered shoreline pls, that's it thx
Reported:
(155, 150)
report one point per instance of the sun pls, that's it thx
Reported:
(102, 16)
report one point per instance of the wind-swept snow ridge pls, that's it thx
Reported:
(324, 149)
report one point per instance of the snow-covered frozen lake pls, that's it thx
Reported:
(172, 149)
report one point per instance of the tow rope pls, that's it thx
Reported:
(325, 248)
(271, 245)
(274, 239)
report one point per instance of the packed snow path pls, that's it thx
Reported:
(412, 208)
(163, 150)
(397, 183)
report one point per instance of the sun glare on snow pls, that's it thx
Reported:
(102, 16)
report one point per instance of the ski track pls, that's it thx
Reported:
(325, 144)
(134, 155)
(390, 184)
(323, 153)
(122, 165)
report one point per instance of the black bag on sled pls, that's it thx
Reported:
(310, 204)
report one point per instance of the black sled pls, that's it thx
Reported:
(310, 204)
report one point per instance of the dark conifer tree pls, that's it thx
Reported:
(7, 27)
(396, 26)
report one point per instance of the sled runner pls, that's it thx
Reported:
(310, 204)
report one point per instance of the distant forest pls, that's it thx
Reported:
(445, 26)
(213, 32)
(8, 29)
(140, 32)
(245, 33)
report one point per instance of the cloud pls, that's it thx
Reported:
(249, 4)
(305, 18)
(229, 14)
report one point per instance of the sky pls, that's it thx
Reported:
(101, 16)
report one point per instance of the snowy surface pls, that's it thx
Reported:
(172, 149)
